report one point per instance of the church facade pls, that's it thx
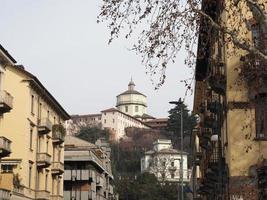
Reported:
(130, 111)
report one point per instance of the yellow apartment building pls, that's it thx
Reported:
(35, 125)
(231, 100)
(6, 105)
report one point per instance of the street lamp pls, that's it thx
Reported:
(180, 102)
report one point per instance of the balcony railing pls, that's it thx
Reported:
(5, 147)
(57, 197)
(79, 174)
(57, 168)
(43, 159)
(79, 195)
(42, 195)
(5, 194)
(58, 133)
(45, 126)
(6, 102)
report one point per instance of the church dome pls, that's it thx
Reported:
(131, 101)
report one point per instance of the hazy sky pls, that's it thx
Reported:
(60, 42)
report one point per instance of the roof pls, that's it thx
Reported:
(77, 142)
(166, 151)
(87, 115)
(7, 54)
(131, 92)
(116, 110)
(35, 81)
(158, 120)
(146, 116)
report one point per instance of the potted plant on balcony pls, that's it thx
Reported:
(59, 131)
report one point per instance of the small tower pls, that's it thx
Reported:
(131, 101)
(131, 85)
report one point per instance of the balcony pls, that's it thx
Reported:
(56, 197)
(45, 126)
(5, 147)
(6, 102)
(110, 189)
(214, 107)
(99, 181)
(217, 83)
(43, 160)
(42, 195)
(81, 175)
(58, 133)
(57, 168)
(5, 194)
(79, 195)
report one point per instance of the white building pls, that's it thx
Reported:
(164, 162)
(132, 102)
(112, 119)
(130, 112)
(118, 121)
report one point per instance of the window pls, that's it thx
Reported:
(105, 121)
(136, 108)
(172, 163)
(59, 154)
(47, 145)
(32, 104)
(261, 121)
(30, 174)
(256, 32)
(40, 111)
(172, 175)
(46, 181)
(31, 135)
(48, 114)
(6, 168)
(126, 108)
(113, 120)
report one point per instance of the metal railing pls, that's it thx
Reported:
(5, 194)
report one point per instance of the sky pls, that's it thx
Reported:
(61, 43)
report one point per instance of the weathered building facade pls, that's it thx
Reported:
(230, 98)
(35, 125)
(88, 174)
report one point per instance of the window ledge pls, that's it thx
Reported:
(260, 138)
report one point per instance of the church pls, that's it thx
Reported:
(130, 111)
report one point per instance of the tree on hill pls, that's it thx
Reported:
(174, 124)
(91, 134)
